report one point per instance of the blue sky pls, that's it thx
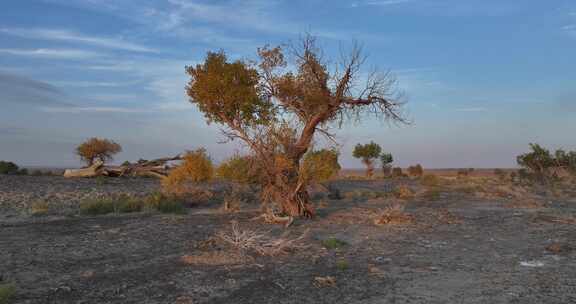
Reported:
(483, 78)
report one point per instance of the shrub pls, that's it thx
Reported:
(333, 243)
(7, 291)
(97, 149)
(8, 168)
(367, 153)
(320, 165)
(542, 166)
(196, 167)
(500, 174)
(463, 172)
(393, 215)
(97, 207)
(397, 172)
(164, 203)
(430, 180)
(416, 171)
(240, 169)
(403, 192)
(39, 208)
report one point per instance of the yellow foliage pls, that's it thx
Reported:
(196, 167)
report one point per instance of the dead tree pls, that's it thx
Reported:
(154, 168)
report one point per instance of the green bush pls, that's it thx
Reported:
(333, 243)
(320, 165)
(368, 153)
(8, 168)
(240, 169)
(164, 204)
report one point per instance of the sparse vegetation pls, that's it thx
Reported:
(393, 215)
(430, 180)
(10, 168)
(333, 243)
(7, 291)
(130, 204)
(541, 166)
(97, 149)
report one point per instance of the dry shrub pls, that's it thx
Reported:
(215, 258)
(327, 281)
(525, 203)
(232, 203)
(393, 215)
(39, 208)
(567, 220)
(320, 165)
(430, 180)
(446, 217)
(240, 169)
(404, 192)
(196, 167)
(262, 243)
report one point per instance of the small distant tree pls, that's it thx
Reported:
(368, 153)
(97, 149)
(320, 165)
(386, 161)
(195, 168)
(8, 168)
(416, 170)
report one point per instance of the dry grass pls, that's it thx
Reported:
(262, 243)
(393, 215)
(327, 281)
(563, 219)
(404, 192)
(215, 258)
(446, 217)
(525, 203)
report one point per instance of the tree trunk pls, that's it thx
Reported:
(289, 192)
(369, 167)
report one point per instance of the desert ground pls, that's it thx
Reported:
(407, 240)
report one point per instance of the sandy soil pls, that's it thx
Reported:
(461, 248)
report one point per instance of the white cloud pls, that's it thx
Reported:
(92, 83)
(71, 36)
(51, 53)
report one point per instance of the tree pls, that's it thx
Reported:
(9, 168)
(368, 153)
(277, 111)
(416, 170)
(97, 149)
(320, 165)
(543, 166)
(386, 161)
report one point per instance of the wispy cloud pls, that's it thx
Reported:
(86, 84)
(474, 109)
(51, 53)
(90, 109)
(388, 2)
(75, 37)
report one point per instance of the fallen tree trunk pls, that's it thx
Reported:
(152, 168)
(91, 171)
